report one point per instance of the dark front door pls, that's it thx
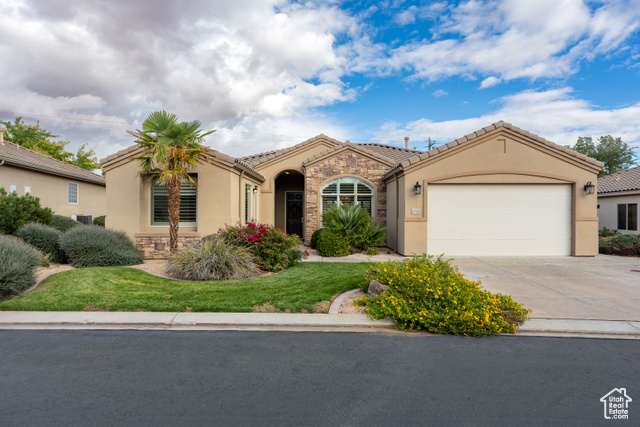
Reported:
(294, 212)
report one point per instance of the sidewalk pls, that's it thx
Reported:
(284, 321)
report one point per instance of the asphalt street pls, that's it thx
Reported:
(76, 377)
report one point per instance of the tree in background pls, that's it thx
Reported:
(615, 154)
(41, 141)
(170, 150)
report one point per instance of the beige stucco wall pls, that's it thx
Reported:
(498, 157)
(53, 191)
(220, 200)
(608, 209)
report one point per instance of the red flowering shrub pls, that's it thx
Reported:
(274, 249)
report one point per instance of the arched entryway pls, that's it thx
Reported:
(289, 202)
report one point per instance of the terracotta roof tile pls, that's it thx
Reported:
(21, 157)
(626, 180)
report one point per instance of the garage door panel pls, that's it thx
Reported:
(498, 219)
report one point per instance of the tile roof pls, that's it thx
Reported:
(256, 159)
(490, 128)
(21, 157)
(397, 154)
(210, 153)
(626, 180)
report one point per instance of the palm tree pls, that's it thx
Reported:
(170, 149)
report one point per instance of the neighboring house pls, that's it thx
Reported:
(68, 190)
(618, 199)
(497, 191)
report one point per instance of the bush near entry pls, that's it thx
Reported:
(17, 266)
(355, 225)
(430, 294)
(332, 244)
(17, 211)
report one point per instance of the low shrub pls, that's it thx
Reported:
(332, 244)
(430, 294)
(95, 246)
(17, 268)
(45, 239)
(64, 223)
(274, 249)
(605, 232)
(18, 211)
(213, 259)
(372, 251)
(374, 234)
(620, 244)
(99, 220)
(314, 238)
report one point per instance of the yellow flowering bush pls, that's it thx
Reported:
(429, 293)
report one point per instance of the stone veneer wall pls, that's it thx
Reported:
(347, 163)
(157, 247)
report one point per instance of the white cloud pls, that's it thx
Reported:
(440, 92)
(554, 114)
(490, 81)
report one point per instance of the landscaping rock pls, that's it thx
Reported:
(376, 288)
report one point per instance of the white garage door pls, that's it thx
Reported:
(501, 220)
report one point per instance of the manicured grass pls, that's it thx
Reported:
(125, 289)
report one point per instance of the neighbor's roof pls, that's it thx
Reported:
(15, 155)
(473, 135)
(626, 180)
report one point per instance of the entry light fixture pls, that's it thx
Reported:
(417, 188)
(589, 188)
(255, 189)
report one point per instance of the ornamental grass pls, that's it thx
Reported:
(428, 293)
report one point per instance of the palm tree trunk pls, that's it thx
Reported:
(174, 213)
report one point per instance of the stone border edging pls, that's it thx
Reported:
(335, 305)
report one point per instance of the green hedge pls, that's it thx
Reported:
(331, 244)
(17, 211)
(99, 220)
(95, 246)
(314, 238)
(63, 223)
(17, 268)
(45, 239)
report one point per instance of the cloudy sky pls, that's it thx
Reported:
(268, 74)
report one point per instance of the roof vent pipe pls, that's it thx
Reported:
(406, 142)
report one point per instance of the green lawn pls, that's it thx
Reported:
(128, 289)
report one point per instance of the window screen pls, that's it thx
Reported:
(73, 192)
(622, 217)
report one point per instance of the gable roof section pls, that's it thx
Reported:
(130, 153)
(257, 159)
(397, 154)
(491, 128)
(14, 155)
(626, 180)
(345, 146)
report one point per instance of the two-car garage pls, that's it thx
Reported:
(499, 219)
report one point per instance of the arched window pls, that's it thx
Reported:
(347, 191)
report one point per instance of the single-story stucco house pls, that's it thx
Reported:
(68, 190)
(618, 199)
(497, 191)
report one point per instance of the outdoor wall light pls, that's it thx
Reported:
(589, 188)
(255, 189)
(417, 188)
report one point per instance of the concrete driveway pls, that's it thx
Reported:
(600, 288)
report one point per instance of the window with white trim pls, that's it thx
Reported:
(73, 193)
(188, 204)
(347, 191)
(13, 188)
(27, 189)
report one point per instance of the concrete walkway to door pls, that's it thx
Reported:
(599, 288)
